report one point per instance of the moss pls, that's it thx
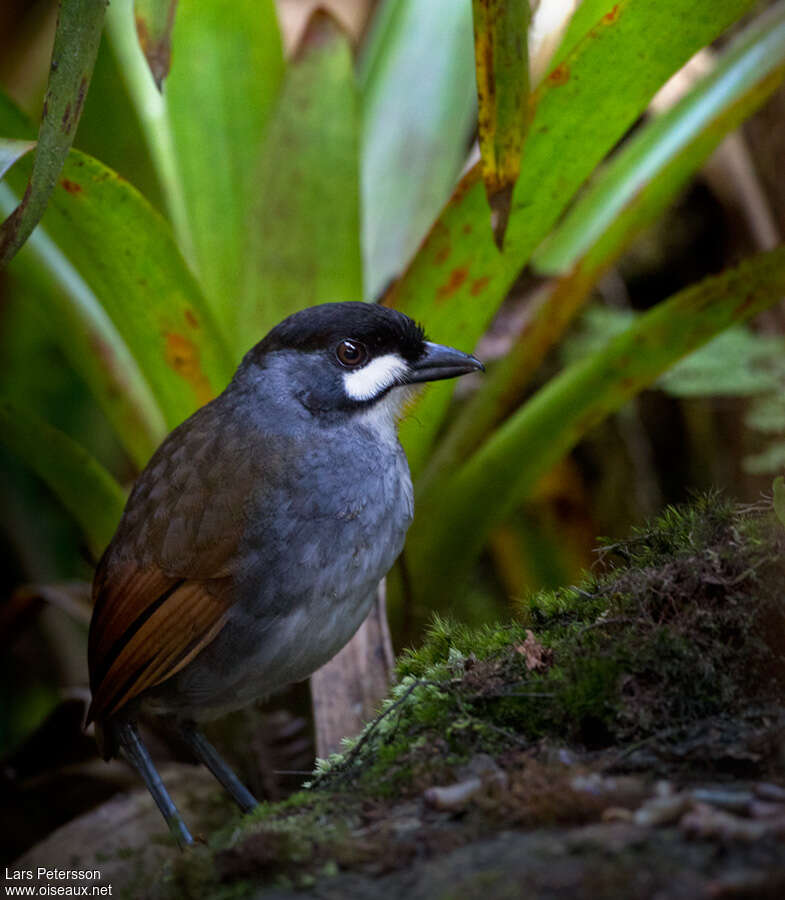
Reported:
(683, 621)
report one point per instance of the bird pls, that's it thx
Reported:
(252, 544)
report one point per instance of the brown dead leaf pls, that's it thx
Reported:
(535, 655)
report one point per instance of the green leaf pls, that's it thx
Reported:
(449, 531)
(502, 70)
(303, 244)
(70, 312)
(663, 155)
(14, 123)
(734, 364)
(154, 23)
(82, 484)
(758, 365)
(226, 74)
(78, 32)
(110, 128)
(626, 196)
(206, 133)
(152, 116)
(418, 112)
(586, 104)
(125, 253)
(75, 318)
(588, 14)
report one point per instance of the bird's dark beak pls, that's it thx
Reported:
(442, 362)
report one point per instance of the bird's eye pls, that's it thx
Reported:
(351, 353)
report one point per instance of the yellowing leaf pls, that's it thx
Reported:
(502, 64)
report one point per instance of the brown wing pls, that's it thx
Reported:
(146, 627)
(163, 589)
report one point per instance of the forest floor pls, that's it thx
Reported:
(622, 738)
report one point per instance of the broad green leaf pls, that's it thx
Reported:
(671, 147)
(70, 312)
(585, 105)
(626, 196)
(154, 23)
(502, 70)
(227, 66)
(125, 253)
(205, 133)
(82, 484)
(734, 364)
(449, 531)
(152, 116)
(738, 362)
(418, 103)
(78, 32)
(76, 319)
(303, 244)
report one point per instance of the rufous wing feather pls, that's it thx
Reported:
(146, 627)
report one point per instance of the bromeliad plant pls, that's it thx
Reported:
(292, 182)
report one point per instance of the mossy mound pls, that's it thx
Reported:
(682, 622)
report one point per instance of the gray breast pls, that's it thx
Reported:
(315, 548)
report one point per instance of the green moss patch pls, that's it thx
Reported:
(683, 621)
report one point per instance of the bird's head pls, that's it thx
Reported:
(349, 357)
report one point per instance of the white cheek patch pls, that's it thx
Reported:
(375, 377)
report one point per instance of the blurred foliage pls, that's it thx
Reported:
(190, 220)
(757, 372)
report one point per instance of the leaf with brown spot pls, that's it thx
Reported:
(126, 256)
(632, 190)
(502, 70)
(454, 525)
(614, 71)
(182, 355)
(77, 35)
(625, 196)
(71, 186)
(455, 280)
(154, 23)
(479, 285)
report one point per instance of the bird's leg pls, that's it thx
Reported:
(204, 751)
(136, 753)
